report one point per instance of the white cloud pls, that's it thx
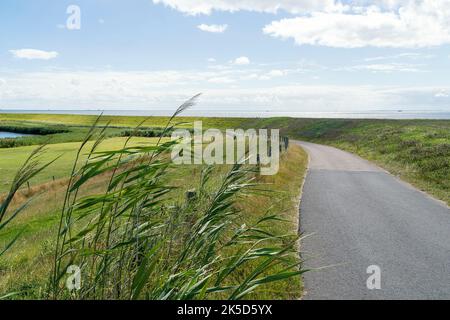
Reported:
(442, 94)
(214, 28)
(75, 82)
(406, 55)
(119, 90)
(241, 61)
(222, 80)
(407, 24)
(276, 73)
(2, 82)
(32, 54)
(272, 74)
(195, 7)
(343, 23)
(384, 68)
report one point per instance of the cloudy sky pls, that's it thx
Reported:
(279, 55)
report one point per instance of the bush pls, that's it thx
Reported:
(149, 132)
(26, 141)
(42, 131)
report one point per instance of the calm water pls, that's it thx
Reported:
(377, 114)
(10, 135)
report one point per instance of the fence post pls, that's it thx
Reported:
(191, 194)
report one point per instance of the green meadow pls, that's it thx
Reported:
(64, 153)
(120, 121)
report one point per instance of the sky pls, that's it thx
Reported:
(243, 55)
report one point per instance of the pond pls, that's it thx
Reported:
(5, 134)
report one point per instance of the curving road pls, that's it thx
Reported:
(357, 215)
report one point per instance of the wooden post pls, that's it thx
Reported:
(191, 194)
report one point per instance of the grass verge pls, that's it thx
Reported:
(418, 151)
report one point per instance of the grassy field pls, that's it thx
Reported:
(74, 128)
(25, 269)
(120, 121)
(12, 158)
(63, 133)
(418, 151)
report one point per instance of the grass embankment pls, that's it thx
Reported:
(418, 151)
(25, 269)
(284, 199)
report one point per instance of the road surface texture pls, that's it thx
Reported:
(357, 215)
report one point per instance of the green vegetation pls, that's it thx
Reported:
(12, 158)
(120, 121)
(61, 134)
(46, 133)
(244, 226)
(126, 220)
(147, 132)
(418, 151)
(32, 130)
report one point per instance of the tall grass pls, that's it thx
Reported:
(130, 242)
(29, 169)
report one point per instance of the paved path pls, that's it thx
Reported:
(358, 215)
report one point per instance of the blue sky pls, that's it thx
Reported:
(285, 55)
